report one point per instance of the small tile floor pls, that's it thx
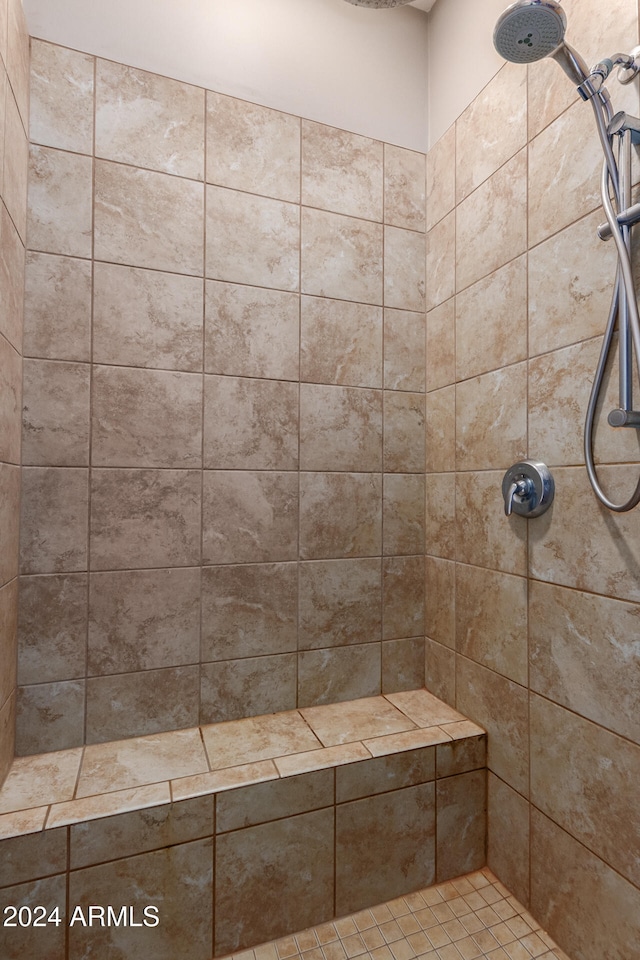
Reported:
(470, 918)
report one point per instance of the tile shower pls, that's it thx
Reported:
(247, 492)
(140, 461)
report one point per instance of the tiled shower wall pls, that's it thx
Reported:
(223, 448)
(14, 124)
(533, 626)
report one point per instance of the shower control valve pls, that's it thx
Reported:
(527, 488)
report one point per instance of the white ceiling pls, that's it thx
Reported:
(423, 4)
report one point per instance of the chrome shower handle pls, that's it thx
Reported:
(527, 488)
(523, 489)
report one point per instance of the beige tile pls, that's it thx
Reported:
(50, 716)
(149, 121)
(335, 674)
(492, 128)
(371, 865)
(249, 516)
(127, 834)
(220, 781)
(275, 800)
(144, 518)
(491, 620)
(409, 740)
(257, 738)
(61, 103)
(57, 308)
(258, 891)
(11, 280)
(583, 654)
(404, 350)
(4, 29)
(252, 148)
(232, 689)
(340, 602)
(252, 239)
(37, 942)
(440, 585)
(137, 704)
(484, 536)
(441, 262)
(10, 521)
(461, 824)
(340, 515)
(378, 775)
(124, 764)
(8, 638)
(107, 805)
(250, 424)
(143, 620)
(574, 895)
(341, 171)
(7, 735)
(570, 286)
(508, 836)
(4, 83)
(440, 439)
(501, 706)
(326, 758)
(404, 187)
(499, 304)
(15, 164)
(423, 708)
(251, 332)
(340, 428)
(441, 346)
(596, 804)
(579, 529)
(149, 880)
(22, 822)
(491, 226)
(441, 183)
(60, 197)
(548, 94)
(360, 719)
(552, 178)
(249, 610)
(55, 422)
(145, 318)
(54, 519)
(132, 208)
(403, 514)
(404, 432)
(341, 257)
(402, 664)
(465, 752)
(440, 520)
(403, 597)
(341, 342)
(10, 392)
(38, 780)
(404, 269)
(17, 60)
(559, 388)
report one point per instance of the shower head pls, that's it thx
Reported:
(378, 3)
(529, 30)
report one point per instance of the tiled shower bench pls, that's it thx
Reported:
(221, 837)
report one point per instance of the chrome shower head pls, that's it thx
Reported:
(378, 3)
(529, 30)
